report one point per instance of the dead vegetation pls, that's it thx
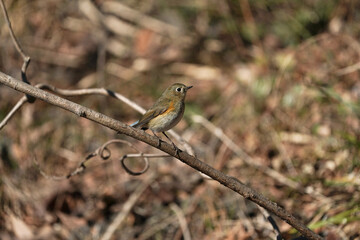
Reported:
(275, 104)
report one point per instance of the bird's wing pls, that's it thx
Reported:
(150, 114)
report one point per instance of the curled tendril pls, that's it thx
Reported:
(104, 153)
(146, 167)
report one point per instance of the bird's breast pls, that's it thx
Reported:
(168, 119)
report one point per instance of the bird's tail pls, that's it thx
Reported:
(140, 125)
(135, 124)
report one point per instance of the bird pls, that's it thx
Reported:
(166, 112)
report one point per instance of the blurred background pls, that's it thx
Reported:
(275, 103)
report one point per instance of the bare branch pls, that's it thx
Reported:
(227, 181)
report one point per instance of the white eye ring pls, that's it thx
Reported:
(178, 89)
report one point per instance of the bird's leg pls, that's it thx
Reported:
(159, 143)
(175, 147)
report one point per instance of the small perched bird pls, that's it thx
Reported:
(166, 112)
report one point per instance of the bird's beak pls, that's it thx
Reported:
(187, 88)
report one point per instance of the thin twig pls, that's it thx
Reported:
(120, 217)
(93, 91)
(25, 57)
(16, 43)
(141, 155)
(104, 153)
(227, 181)
(18, 105)
(271, 220)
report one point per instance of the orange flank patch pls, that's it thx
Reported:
(170, 109)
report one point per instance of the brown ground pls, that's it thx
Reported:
(279, 78)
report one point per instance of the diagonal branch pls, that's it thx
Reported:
(227, 181)
(91, 91)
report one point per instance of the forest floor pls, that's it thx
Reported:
(276, 85)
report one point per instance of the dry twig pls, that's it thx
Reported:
(104, 153)
(25, 57)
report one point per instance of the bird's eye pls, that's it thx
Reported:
(178, 89)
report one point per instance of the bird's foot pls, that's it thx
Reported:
(159, 142)
(176, 149)
(159, 139)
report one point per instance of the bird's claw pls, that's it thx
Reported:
(176, 149)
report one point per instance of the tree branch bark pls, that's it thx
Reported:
(227, 181)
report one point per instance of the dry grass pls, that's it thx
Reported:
(281, 80)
